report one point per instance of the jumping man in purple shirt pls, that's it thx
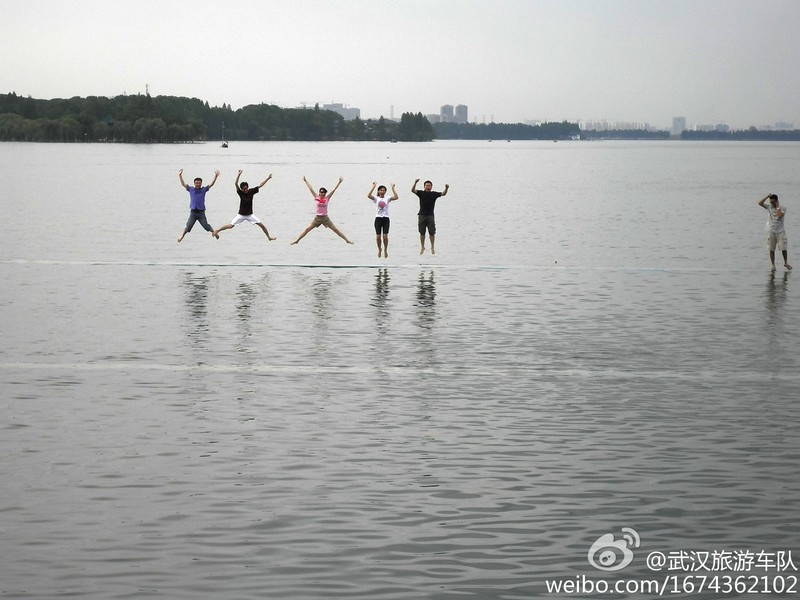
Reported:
(197, 204)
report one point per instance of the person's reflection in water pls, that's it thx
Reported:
(425, 306)
(196, 298)
(380, 301)
(426, 300)
(775, 296)
(326, 319)
(247, 293)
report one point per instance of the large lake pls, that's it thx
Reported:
(598, 346)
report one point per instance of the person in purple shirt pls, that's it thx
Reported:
(197, 204)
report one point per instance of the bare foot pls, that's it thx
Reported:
(385, 254)
(788, 266)
(422, 250)
(180, 239)
(215, 235)
(774, 268)
(271, 239)
(294, 243)
(433, 251)
(349, 242)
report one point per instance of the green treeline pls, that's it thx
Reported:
(164, 119)
(744, 135)
(170, 119)
(625, 134)
(506, 131)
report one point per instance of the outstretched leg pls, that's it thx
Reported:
(183, 235)
(264, 229)
(204, 223)
(303, 234)
(216, 232)
(334, 229)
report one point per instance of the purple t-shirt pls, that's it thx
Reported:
(197, 198)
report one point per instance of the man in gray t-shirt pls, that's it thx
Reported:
(776, 237)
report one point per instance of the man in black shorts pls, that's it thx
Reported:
(426, 220)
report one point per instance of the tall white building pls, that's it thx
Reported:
(446, 113)
(678, 125)
(462, 114)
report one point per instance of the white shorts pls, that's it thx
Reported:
(776, 240)
(249, 218)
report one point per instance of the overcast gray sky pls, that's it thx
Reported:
(712, 61)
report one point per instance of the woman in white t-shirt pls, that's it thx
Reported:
(382, 217)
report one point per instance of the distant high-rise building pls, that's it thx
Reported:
(678, 125)
(462, 115)
(349, 114)
(446, 113)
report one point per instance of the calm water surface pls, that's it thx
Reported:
(598, 344)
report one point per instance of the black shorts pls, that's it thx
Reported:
(381, 225)
(427, 222)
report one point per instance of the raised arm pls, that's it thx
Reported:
(263, 183)
(764, 199)
(213, 181)
(372, 189)
(308, 185)
(236, 183)
(394, 194)
(180, 177)
(336, 187)
(446, 187)
(414, 186)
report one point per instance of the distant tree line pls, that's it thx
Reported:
(163, 119)
(506, 131)
(625, 134)
(745, 135)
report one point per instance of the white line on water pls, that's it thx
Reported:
(532, 372)
(100, 263)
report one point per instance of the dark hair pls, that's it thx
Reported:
(381, 187)
(427, 182)
(773, 196)
(243, 185)
(200, 179)
(323, 191)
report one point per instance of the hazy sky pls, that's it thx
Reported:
(712, 61)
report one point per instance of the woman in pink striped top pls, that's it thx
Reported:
(321, 215)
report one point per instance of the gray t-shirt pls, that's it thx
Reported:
(775, 224)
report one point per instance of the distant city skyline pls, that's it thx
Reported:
(449, 113)
(514, 61)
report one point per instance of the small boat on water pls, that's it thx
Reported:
(224, 144)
